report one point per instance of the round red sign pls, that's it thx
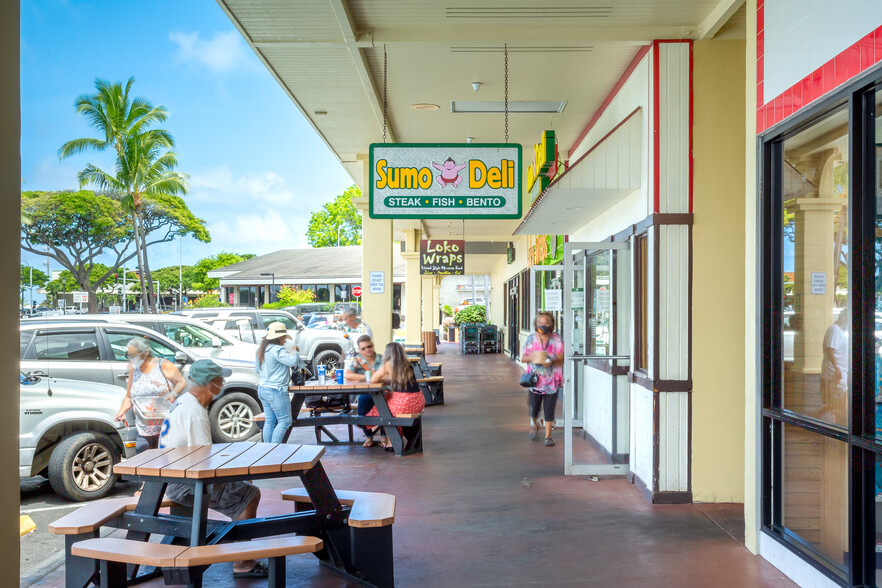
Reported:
(356, 291)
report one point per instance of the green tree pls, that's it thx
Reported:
(201, 281)
(77, 228)
(171, 279)
(291, 296)
(335, 220)
(31, 276)
(209, 300)
(144, 160)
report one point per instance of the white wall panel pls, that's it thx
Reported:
(673, 468)
(802, 36)
(674, 127)
(641, 451)
(597, 409)
(674, 302)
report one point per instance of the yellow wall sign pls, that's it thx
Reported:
(445, 180)
(544, 155)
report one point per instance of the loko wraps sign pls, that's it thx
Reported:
(445, 180)
(442, 257)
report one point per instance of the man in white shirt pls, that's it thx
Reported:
(834, 368)
(187, 425)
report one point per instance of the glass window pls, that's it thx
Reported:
(119, 343)
(600, 303)
(24, 340)
(641, 296)
(284, 319)
(322, 293)
(190, 335)
(81, 345)
(815, 319)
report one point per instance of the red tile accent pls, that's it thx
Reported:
(853, 60)
(759, 94)
(807, 90)
(828, 81)
(760, 46)
(867, 48)
(877, 34)
(760, 120)
(760, 18)
(760, 70)
(796, 97)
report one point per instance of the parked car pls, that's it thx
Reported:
(191, 333)
(320, 319)
(305, 311)
(341, 306)
(96, 352)
(318, 346)
(67, 432)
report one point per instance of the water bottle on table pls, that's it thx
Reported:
(320, 373)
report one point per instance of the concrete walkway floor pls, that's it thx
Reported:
(485, 506)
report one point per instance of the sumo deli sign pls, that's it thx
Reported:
(445, 180)
(442, 257)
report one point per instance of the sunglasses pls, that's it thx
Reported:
(366, 347)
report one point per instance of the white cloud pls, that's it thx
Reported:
(222, 53)
(257, 233)
(266, 188)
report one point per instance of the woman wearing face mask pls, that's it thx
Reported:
(543, 354)
(274, 363)
(148, 376)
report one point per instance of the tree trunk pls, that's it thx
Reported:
(138, 250)
(150, 291)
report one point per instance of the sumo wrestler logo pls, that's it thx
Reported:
(449, 172)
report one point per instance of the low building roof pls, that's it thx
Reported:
(304, 266)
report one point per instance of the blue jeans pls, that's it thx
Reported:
(277, 410)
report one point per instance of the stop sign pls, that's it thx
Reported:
(356, 291)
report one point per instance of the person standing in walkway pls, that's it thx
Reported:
(544, 355)
(149, 376)
(274, 364)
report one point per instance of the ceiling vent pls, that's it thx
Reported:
(531, 12)
(555, 49)
(514, 106)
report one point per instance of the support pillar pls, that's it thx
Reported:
(428, 310)
(376, 308)
(414, 291)
(436, 303)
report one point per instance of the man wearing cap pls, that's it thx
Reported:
(186, 425)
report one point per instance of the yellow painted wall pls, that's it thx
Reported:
(718, 272)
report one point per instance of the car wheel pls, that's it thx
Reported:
(81, 466)
(328, 358)
(232, 418)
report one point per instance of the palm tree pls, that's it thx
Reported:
(143, 170)
(121, 120)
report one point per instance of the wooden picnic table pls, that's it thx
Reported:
(402, 445)
(203, 465)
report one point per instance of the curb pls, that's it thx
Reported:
(42, 569)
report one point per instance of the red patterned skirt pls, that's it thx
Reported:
(402, 403)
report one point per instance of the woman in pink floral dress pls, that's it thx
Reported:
(544, 354)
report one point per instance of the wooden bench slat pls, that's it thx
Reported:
(121, 550)
(241, 464)
(430, 379)
(154, 467)
(241, 550)
(304, 458)
(93, 515)
(179, 468)
(434, 365)
(369, 509)
(406, 415)
(207, 467)
(129, 466)
(272, 461)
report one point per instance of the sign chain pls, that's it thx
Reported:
(385, 103)
(505, 48)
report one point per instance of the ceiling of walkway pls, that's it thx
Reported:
(328, 55)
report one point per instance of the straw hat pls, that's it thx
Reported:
(275, 331)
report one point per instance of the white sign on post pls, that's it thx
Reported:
(115, 309)
(378, 282)
(553, 300)
(819, 282)
(81, 297)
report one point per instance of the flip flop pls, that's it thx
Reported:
(369, 442)
(258, 571)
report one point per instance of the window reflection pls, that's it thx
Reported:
(815, 322)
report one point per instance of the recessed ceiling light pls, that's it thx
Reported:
(574, 208)
(320, 112)
(425, 106)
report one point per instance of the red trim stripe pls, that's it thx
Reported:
(656, 152)
(641, 53)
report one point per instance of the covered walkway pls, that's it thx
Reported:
(484, 506)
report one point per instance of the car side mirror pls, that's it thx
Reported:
(181, 357)
(216, 342)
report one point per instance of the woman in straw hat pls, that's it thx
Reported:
(274, 364)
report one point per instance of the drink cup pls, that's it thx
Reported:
(339, 376)
(367, 376)
(540, 357)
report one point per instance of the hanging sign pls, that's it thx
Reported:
(544, 157)
(442, 257)
(445, 180)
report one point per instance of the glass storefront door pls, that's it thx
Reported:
(596, 315)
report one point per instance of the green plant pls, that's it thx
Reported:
(475, 313)
(447, 310)
(208, 301)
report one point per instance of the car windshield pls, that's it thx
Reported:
(119, 343)
(191, 335)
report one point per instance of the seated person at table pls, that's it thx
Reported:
(405, 396)
(367, 360)
(353, 327)
(186, 425)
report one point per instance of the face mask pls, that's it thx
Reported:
(544, 329)
(137, 361)
(220, 390)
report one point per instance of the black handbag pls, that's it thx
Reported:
(298, 378)
(529, 379)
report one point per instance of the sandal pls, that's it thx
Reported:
(258, 571)
(386, 444)
(532, 432)
(369, 442)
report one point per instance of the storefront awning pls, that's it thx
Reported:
(598, 180)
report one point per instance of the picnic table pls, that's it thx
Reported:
(409, 442)
(201, 466)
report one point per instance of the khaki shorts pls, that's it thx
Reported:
(229, 499)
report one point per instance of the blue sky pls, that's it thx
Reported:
(257, 169)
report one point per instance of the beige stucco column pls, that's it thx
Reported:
(436, 302)
(10, 163)
(376, 308)
(428, 310)
(413, 293)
